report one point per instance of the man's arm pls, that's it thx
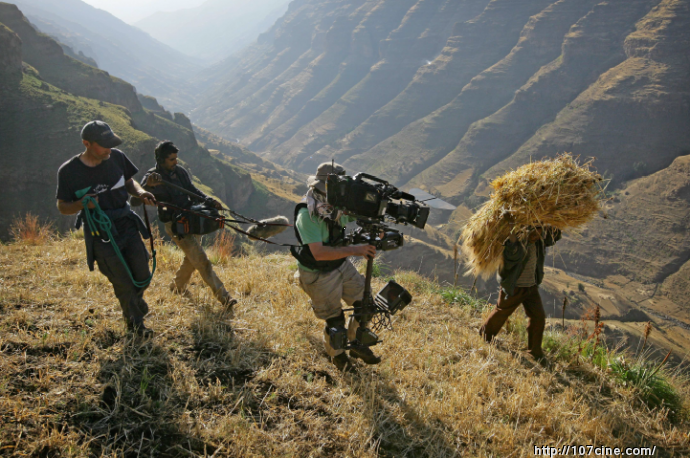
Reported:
(327, 253)
(72, 208)
(135, 189)
(189, 184)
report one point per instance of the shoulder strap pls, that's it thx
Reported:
(298, 207)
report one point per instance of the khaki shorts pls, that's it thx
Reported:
(326, 290)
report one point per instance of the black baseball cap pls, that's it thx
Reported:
(101, 133)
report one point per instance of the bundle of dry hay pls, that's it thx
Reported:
(554, 192)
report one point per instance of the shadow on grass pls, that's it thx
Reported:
(391, 437)
(152, 390)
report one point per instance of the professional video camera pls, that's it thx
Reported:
(369, 197)
(373, 202)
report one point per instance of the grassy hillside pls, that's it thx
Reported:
(119, 48)
(260, 385)
(45, 107)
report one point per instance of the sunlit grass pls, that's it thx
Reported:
(73, 383)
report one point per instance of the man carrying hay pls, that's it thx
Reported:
(526, 213)
(520, 277)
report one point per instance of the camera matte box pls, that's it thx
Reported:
(393, 297)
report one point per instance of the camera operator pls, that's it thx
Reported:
(324, 271)
(167, 170)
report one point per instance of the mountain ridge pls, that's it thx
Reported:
(119, 48)
(215, 29)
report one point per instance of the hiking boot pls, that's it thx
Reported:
(365, 354)
(140, 330)
(342, 362)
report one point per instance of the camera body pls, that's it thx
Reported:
(369, 197)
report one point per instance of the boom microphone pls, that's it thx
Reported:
(269, 227)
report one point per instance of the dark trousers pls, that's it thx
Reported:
(531, 300)
(131, 298)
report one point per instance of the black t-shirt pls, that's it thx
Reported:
(107, 180)
(180, 177)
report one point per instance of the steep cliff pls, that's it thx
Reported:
(10, 57)
(47, 56)
(634, 119)
(592, 46)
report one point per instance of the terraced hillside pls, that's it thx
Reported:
(444, 94)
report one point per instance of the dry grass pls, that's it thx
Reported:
(554, 192)
(223, 248)
(73, 384)
(31, 231)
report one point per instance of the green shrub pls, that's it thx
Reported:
(461, 297)
(559, 346)
(652, 384)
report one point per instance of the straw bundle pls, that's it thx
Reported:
(554, 192)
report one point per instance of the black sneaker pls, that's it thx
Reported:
(365, 354)
(342, 362)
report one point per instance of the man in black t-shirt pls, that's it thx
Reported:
(105, 174)
(167, 171)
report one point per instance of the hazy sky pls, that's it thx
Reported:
(132, 11)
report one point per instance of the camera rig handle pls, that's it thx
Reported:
(393, 192)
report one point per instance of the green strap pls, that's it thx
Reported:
(96, 219)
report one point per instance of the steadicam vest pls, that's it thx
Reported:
(303, 253)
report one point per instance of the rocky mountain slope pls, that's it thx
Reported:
(119, 48)
(47, 97)
(435, 94)
(214, 29)
(446, 95)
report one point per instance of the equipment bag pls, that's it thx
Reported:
(198, 220)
